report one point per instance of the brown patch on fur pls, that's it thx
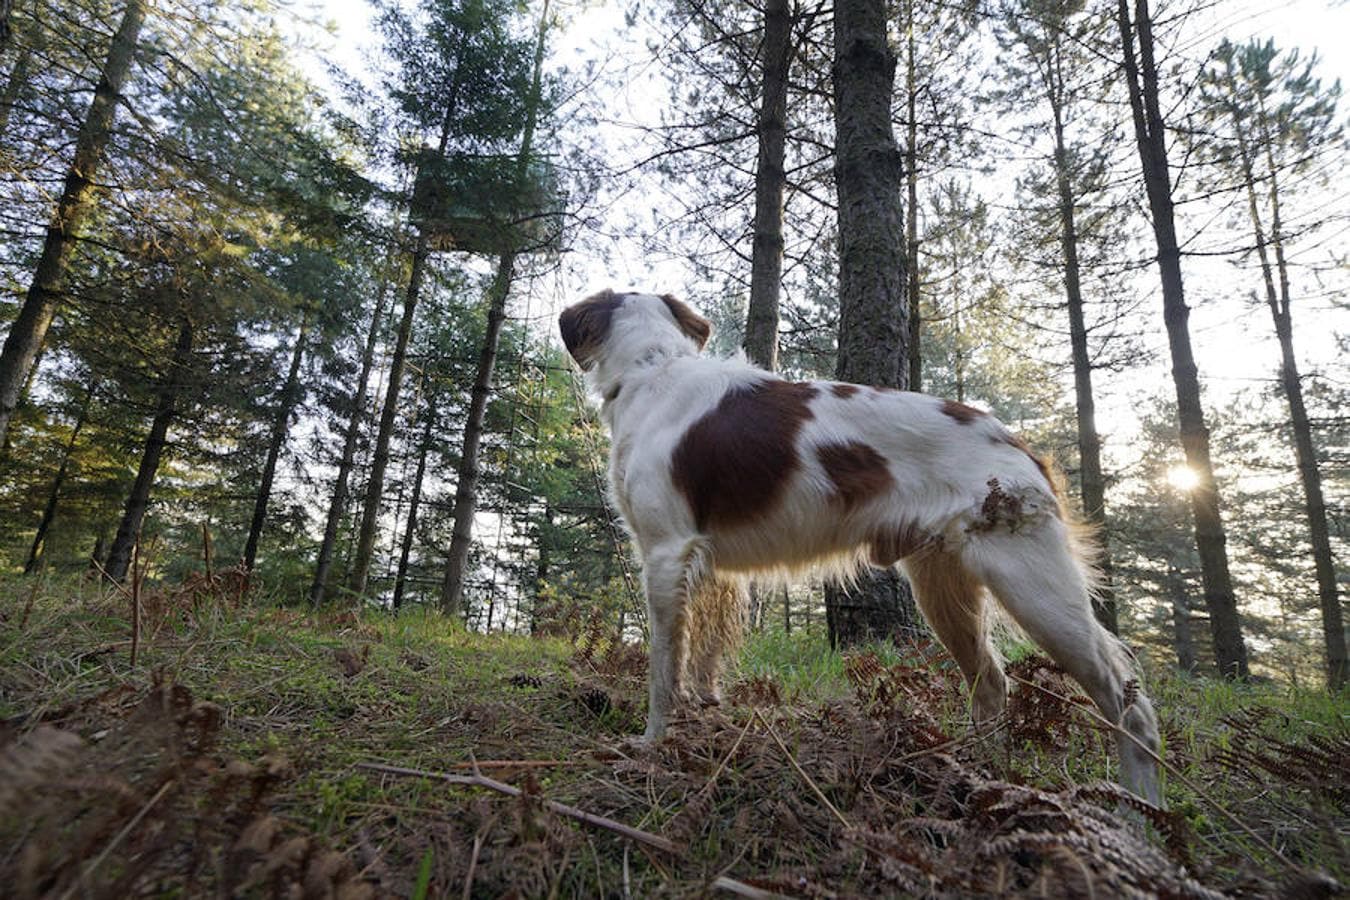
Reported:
(585, 325)
(844, 391)
(999, 507)
(691, 323)
(1041, 462)
(889, 546)
(857, 471)
(961, 412)
(734, 463)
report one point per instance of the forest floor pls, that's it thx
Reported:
(238, 748)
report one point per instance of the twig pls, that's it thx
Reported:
(517, 764)
(800, 771)
(1171, 770)
(473, 865)
(742, 889)
(712, 779)
(126, 829)
(206, 552)
(28, 604)
(135, 598)
(562, 809)
(108, 578)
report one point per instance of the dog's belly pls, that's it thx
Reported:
(798, 542)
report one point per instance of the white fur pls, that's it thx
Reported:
(941, 469)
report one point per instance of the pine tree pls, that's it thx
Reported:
(1141, 80)
(872, 308)
(29, 330)
(1052, 70)
(460, 77)
(1274, 122)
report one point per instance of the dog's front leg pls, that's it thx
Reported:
(667, 622)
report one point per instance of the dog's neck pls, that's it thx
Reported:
(619, 376)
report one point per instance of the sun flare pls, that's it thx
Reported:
(1183, 478)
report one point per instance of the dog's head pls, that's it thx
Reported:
(592, 328)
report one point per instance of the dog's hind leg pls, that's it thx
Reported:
(717, 613)
(669, 582)
(1040, 580)
(952, 600)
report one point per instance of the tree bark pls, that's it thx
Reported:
(13, 84)
(410, 533)
(1092, 483)
(171, 385)
(35, 552)
(466, 485)
(6, 28)
(1182, 641)
(77, 200)
(1141, 79)
(290, 395)
(766, 260)
(913, 286)
(337, 507)
(370, 512)
(873, 327)
(468, 473)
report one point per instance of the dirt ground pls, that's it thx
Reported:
(264, 752)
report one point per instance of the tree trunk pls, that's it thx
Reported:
(370, 512)
(1182, 641)
(290, 395)
(1278, 301)
(466, 485)
(129, 531)
(53, 496)
(13, 84)
(1091, 481)
(543, 564)
(1141, 79)
(337, 507)
(873, 316)
(913, 287)
(410, 534)
(468, 473)
(77, 199)
(766, 262)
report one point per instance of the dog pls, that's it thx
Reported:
(723, 471)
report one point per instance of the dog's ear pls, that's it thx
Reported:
(691, 323)
(585, 326)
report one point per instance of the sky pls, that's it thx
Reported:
(1231, 338)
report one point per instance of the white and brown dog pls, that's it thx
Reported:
(724, 471)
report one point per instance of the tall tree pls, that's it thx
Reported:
(173, 380)
(38, 546)
(1141, 80)
(873, 327)
(1277, 121)
(281, 424)
(766, 255)
(459, 74)
(466, 484)
(934, 109)
(1050, 67)
(337, 504)
(73, 210)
